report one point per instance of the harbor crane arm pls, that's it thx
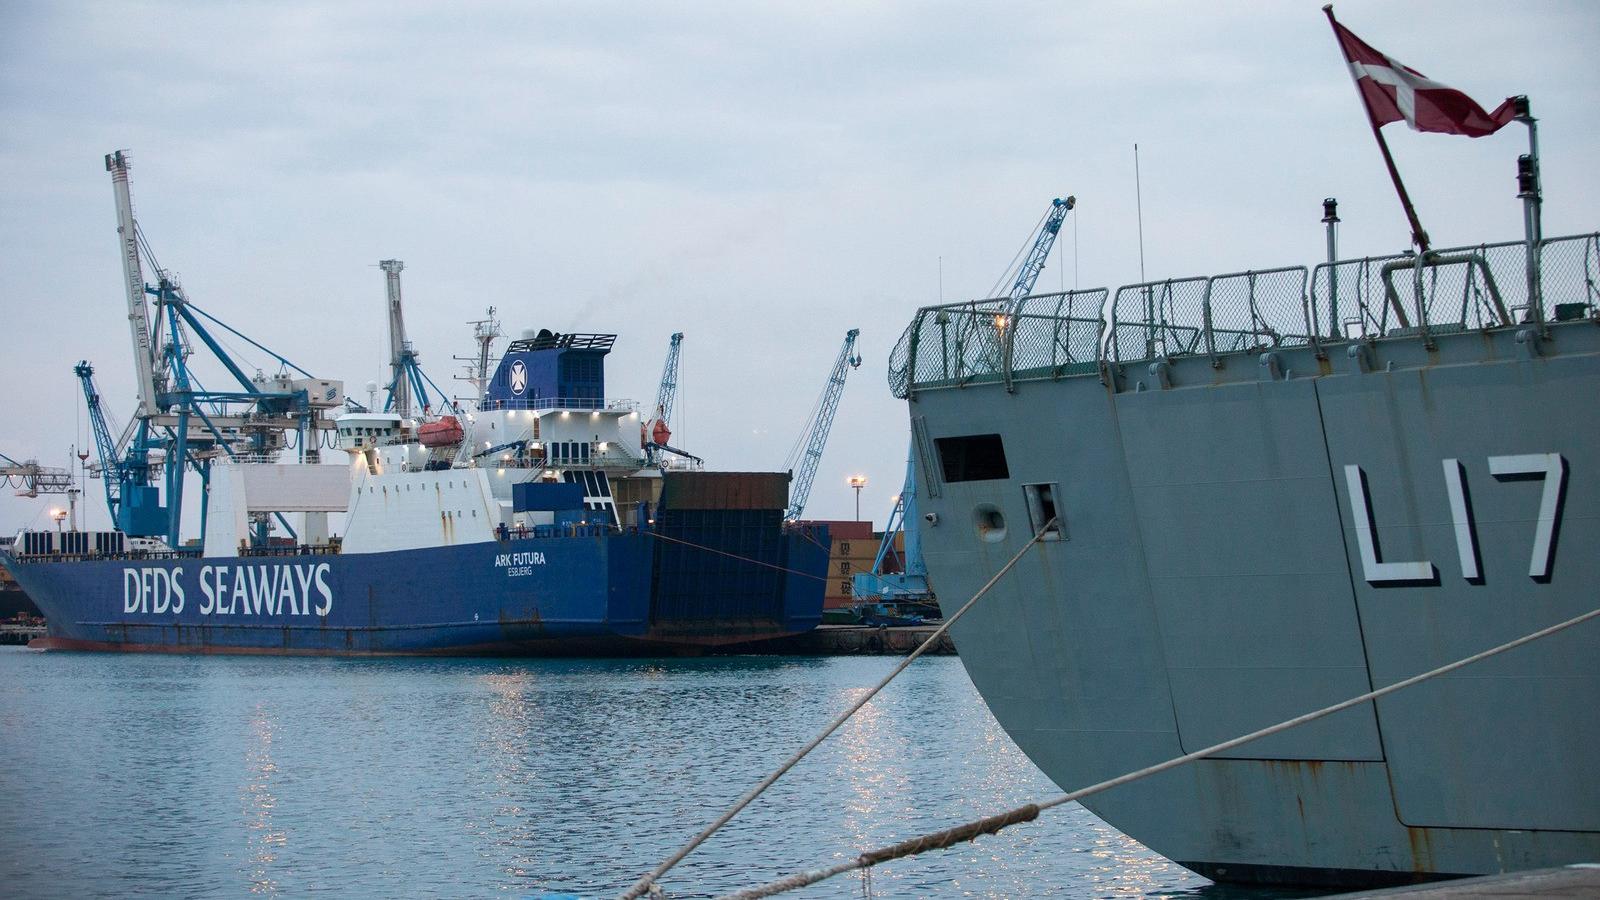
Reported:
(655, 433)
(32, 479)
(105, 444)
(667, 394)
(144, 350)
(815, 437)
(1028, 274)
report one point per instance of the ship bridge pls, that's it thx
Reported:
(547, 370)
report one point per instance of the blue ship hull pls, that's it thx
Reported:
(603, 593)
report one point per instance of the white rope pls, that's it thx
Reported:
(645, 883)
(941, 839)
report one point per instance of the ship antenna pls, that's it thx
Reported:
(1138, 205)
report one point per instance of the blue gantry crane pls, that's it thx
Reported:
(113, 473)
(807, 451)
(179, 424)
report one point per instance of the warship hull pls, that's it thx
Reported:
(1246, 534)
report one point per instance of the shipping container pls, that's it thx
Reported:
(725, 490)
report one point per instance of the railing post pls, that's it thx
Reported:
(1205, 324)
(1418, 261)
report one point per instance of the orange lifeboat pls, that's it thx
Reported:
(444, 432)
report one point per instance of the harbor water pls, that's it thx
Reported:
(221, 776)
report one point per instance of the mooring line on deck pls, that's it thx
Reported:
(948, 837)
(647, 882)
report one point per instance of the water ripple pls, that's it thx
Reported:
(215, 776)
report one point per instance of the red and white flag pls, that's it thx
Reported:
(1393, 91)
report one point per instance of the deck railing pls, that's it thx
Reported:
(1048, 336)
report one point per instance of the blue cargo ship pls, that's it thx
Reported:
(539, 523)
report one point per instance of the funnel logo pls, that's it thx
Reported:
(519, 377)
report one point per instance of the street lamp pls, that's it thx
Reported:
(858, 482)
(60, 515)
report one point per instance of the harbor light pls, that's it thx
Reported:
(858, 482)
(60, 515)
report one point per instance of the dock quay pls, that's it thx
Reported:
(19, 635)
(848, 640)
(1574, 881)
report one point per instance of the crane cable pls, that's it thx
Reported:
(948, 837)
(1011, 267)
(648, 882)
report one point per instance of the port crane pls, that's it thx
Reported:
(990, 332)
(911, 582)
(111, 467)
(407, 381)
(31, 479)
(1033, 264)
(807, 452)
(179, 424)
(655, 432)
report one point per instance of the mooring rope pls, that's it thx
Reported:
(749, 559)
(939, 840)
(645, 883)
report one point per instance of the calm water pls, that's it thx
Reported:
(222, 776)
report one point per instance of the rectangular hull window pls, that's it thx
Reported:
(973, 457)
(1043, 514)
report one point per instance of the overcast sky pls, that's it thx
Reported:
(762, 177)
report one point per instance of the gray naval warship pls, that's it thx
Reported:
(1266, 492)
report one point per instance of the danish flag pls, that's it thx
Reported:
(1393, 91)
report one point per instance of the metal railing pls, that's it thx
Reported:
(329, 549)
(542, 403)
(1042, 335)
(98, 556)
(1078, 332)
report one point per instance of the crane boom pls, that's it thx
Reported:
(144, 353)
(815, 437)
(33, 479)
(667, 394)
(1034, 264)
(401, 356)
(106, 446)
(654, 432)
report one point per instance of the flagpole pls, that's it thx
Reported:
(1532, 194)
(1418, 236)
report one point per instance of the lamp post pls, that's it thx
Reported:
(60, 515)
(858, 482)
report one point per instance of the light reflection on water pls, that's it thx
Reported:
(220, 776)
(257, 803)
